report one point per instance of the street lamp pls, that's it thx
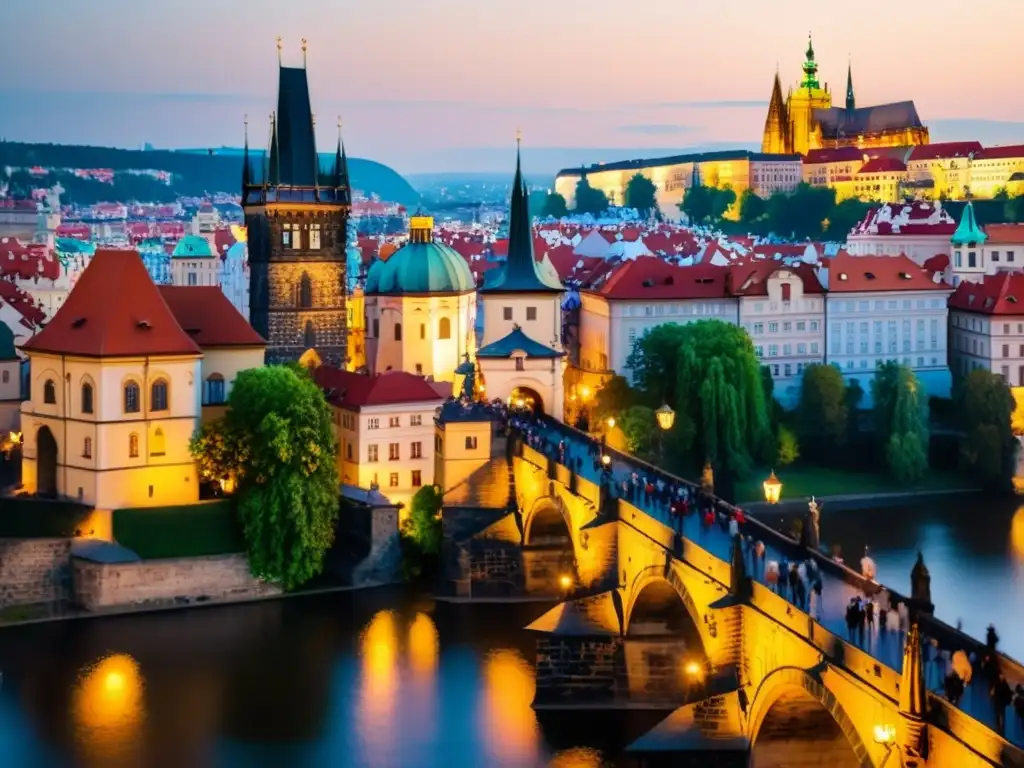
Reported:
(772, 488)
(606, 460)
(666, 417)
(885, 737)
(611, 422)
(566, 582)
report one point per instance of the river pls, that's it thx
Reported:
(383, 678)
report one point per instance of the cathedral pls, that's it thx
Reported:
(806, 119)
(297, 215)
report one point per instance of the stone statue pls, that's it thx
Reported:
(812, 529)
(921, 586)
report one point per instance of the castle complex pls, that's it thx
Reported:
(807, 120)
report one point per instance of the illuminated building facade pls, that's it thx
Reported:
(806, 119)
(296, 218)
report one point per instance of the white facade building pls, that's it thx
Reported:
(919, 230)
(234, 276)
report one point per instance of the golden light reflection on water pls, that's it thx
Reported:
(577, 757)
(108, 709)
(510, 726)
(423, 646)
(1017, 534)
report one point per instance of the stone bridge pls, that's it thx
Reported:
(672, 614)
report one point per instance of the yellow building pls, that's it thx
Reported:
(806, 120)
(356, 306)
(462, 443)
(995, 169)
(834, 168)
(880, 180)
(672, 176)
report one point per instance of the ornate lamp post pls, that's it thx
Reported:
(772, 488)
(666, 418)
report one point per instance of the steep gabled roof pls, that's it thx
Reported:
(851, 274)
(649, 278)
(751, 278)
(114, 310)
(346, 389)
(517, 341)
(206, 315)
(999, 294)
(293, 158)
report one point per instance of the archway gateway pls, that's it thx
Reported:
(526, 399)
(46, 463)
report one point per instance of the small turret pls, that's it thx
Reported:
(810, 80)
(851, 102)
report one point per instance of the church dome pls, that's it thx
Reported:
(420, 266)
(193, 247)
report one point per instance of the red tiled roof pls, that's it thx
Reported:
(26, 261)
(31, 315)
(917, 218)
(500, 248)
(1005, 234)
(751, 279)
(883, 165)
(222, 240)
(650, 278)
(849, 274)
(999, 294)
(355, 390)
(937, 263)
(1000, 153)
(837, 155)
(205, 314)
(114, 310)
(947, 149)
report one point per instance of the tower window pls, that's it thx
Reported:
(314, 237)
(158, 446)
(398, 331)
(87, 398)
(286, 235)
(787, 290)
(50, 392)
(444, 328)
(507, 313)
(531, 313)
(305, 291)
(131, 397)
(310, 335)
(87, 448)
(158, 395)
(133, 446)
(376, 328)
(423, 331)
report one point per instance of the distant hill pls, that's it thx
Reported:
(193, 173)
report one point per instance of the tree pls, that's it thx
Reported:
(423, 526)
(590, 200)
(537, 201)
(288, 484)
(554, 206)
(752, 207)
(789, 447)
(641, 194)
(708, 373)
(822, 411)
(698, 203)
(988, 449)
(638, 424)
(613, 398)
(220, 453)
(721, 201)
(901, 421)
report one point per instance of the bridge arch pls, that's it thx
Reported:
(655, 592)
(793, 710)
(548, 523)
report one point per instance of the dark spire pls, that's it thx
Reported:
(776, 124)
(851, 102)
(246, 172)
(293, 160)
(340, 163)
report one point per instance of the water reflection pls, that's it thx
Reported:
(109, 711)
(379, 686)
(577, 757)
(509, 725)
(423, 643)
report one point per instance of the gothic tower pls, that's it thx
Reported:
(776, 125)
(851, 101)
(297, 221)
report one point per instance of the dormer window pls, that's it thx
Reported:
(869, 275)
(843, 276)
(905, 275)
(787, 292)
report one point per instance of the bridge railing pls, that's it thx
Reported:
(947, 636)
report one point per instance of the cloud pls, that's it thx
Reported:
(714, 104)
(655, 129)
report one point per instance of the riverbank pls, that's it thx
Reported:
(800, 483)
(844, 502)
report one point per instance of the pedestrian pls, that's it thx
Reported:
(816, 592)
(759, 549)
(861, 617)
(991, 639)
(852, 619)
(771, 575)
(869, 610)
(954, 688)
(1002, 696)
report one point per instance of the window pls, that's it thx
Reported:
(814, 325)
(376, 328)
(314, 237)
(87, 398)
(423, 331)
(787, 327)
(773, 327)
(1006, 350)
(438, 444)
(416, 420)
(215, 389)
(801, 325)
(371, 453)
(158, 445)
(417, 478)
(773, 350)
(193, 279)
(419, 369)
(471, 443)
(444, 327)
(398, 331)
(131, 397)
(393, 452)
(531, 313)
(393, 480)
(309, 336)
(158, 395)
(373, 423)
(5, 376)
(788, 370)
(519, 364)
(348, 450)
(416, 450)
(995, 255)
(1005, 373)
(814, 347)
(50, 392)
(87, 448)
(758, 329)
(305, 291)
(394, 421)
(286, 235)
(133, 446)
(786, 291)
(506, 313)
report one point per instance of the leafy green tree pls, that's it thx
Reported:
(590, 200)
(554, 206)
(613, 398)
(638, 424)
(822, 411)
(789, 446)
(901, 421)
(641, 194)
(698, 204)
(752, 207)
(423, 526)
(721, 201)
(853, 396)
(844, 217)
(288, 483)
(988, 449)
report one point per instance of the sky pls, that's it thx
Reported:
(442, 85)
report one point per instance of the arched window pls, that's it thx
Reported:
(86, 397)
(215, 389)
(50, 392)
(310, 335)
(87, 448)
(444, 328)
(158, 395)
(157, 445)
(133, 446)
(398, 331)
(305, 291)
(131, 397)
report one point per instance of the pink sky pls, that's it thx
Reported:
(417, 80)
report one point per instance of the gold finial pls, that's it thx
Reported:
(519, 137)
(304, 51)
(279, 48)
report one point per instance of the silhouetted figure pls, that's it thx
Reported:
(1002, 696)
(921, 586)
(991, 639)
(954, 688)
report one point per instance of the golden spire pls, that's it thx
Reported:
(519, 137)
(304, 52)
(279, 47)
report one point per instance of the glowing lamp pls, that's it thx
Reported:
(520, 403)
(666, 417)
(885, 734)
(772, 488)
(692, 669)
(611, 422)
(606, 459)
(585, 393)
(565, 581)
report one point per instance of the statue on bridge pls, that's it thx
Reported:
(921, 587)
(811, 529)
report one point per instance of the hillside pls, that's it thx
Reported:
(192, 174)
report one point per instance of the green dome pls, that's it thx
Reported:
(420, 267)
(193, 247)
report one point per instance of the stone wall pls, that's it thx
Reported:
(579, 670)
(172, 581)
(33, 571)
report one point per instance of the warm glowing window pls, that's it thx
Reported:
(158, 395)
(371, 453)
(393, 480)
(133, 446)
(314, 237)
(444, 328)
(131, 397)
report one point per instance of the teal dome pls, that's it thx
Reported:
(193, 247)
(420, 266)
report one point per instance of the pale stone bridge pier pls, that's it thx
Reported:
(671, 614)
